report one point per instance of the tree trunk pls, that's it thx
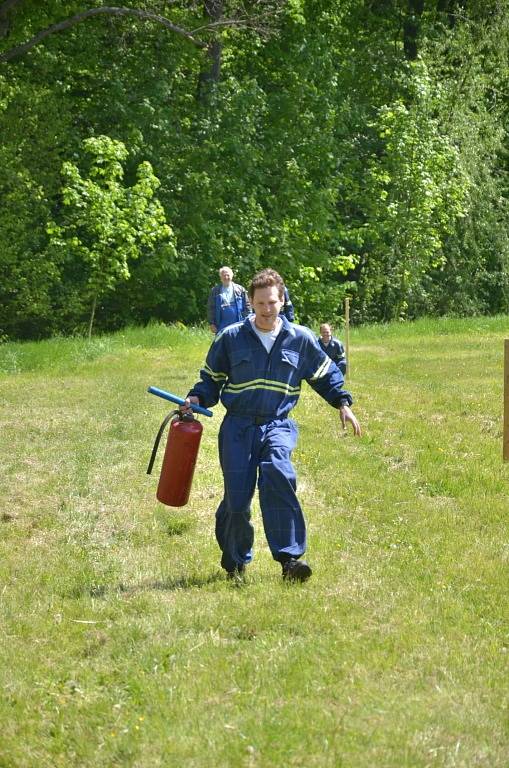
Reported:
(92, 316)
(208, 78)
(5, 22)
(411, 27)
(450, 7)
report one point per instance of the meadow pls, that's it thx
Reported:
(122, 644)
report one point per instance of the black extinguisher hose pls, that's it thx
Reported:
(158, 440)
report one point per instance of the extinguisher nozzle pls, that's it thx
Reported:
(178, 400)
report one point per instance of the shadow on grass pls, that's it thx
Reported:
(165, 585)
(171, 585)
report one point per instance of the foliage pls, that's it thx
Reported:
(104, 225)
(414, 193)
(359, 148)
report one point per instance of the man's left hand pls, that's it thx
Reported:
(346, 414)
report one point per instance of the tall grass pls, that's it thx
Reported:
(123, 644)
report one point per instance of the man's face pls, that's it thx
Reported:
(266, 305)
(325, 333)
(226, 276)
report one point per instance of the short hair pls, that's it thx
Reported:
(222, 269)
(265, 279)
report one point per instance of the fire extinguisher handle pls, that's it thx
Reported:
(178, 400)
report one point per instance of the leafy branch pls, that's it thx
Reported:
(258, 22)
(61, 26)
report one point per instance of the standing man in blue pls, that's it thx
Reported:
(227, 302)
(332, 347)
(256, 367)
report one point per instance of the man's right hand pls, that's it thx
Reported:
(186, 408)
(213, 328)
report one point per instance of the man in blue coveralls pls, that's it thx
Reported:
(332, 347)
(256, 367)
(287, 309)
(227, 302)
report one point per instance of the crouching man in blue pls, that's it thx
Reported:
(256, 367)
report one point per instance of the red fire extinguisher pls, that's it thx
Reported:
(180, 455)
(179, 459)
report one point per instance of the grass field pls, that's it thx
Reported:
(123, 645)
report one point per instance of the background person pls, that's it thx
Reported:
(227, 303)
(287, 309)
(256, 368)
(332, 347)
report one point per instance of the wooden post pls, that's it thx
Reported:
(347, 335)
(506, 400)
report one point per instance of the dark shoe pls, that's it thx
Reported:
(237, 574)
(296, 570)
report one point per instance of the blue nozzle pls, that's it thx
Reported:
(178, 400)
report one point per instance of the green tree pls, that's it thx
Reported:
(104, 224)
(415, 191)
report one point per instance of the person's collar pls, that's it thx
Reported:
(286, 325)
(277, 327)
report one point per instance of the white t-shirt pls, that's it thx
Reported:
(267, 337)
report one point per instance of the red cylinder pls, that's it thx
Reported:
(179, 462)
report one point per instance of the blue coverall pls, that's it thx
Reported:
(336, 351)
(256, 439)
(221, 314)
(287, 309)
